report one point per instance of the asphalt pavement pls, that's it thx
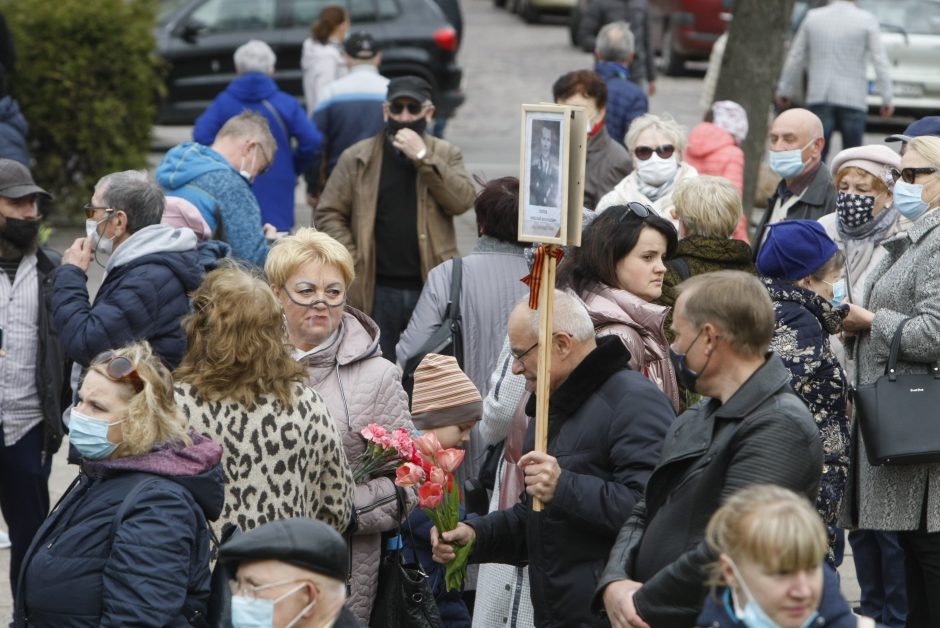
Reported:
(506, 63)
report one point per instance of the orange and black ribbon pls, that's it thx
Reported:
(534, 278)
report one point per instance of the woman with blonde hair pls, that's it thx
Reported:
(656, 144)
(239, 383)
(338, 345)
(321, 59)
(770, 545)
(128, 544)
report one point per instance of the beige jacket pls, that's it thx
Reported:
(361, 387)
(348, 204)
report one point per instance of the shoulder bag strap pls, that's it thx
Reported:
(277, 116)
(456, 279)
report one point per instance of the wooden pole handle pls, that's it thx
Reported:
(546, 325)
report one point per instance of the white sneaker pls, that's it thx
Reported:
(4, 540)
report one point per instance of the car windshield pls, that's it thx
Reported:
(915, 17)
(166, 10)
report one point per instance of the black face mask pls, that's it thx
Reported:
(394, 126)
(686, 377)
(21, 233)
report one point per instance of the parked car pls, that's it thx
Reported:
(198, 38)
(686, 30)
(531, 11)
(911, 36)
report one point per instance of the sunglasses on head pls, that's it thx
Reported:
(645, 152)
(414, 108)
(909, 174)
(633, 207)
(119, 369)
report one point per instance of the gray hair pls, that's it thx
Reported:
(614, 42)
(136, 194)
(665, 124)
(255, 56)
(569, 316)
(249, 125)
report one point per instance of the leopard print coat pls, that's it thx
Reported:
(279, 461)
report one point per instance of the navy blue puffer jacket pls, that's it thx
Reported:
(158, 563)
(143, 297)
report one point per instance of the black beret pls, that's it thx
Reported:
(413, 87)
(302, 542)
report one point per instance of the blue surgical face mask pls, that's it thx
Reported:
(787, 163)
(248, 612)
(752, 615)
(908, 198)
(838, 292)
(90, 436)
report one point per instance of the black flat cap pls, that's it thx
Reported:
(302, 542)
(413, 87)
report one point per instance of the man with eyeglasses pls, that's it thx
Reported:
(391, 200)
(150, 269)
(806, 190)
(217, 179)
(32, 363)
(606, 426)
(289, 573)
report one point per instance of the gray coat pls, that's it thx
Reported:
(905, 284)
(607, 164)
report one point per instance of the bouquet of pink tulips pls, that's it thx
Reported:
(383, 450)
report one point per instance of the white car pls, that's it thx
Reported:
(910, 31)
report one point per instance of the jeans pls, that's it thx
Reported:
(391, 311)
(850, 123)
(24, 493)
(879, 566)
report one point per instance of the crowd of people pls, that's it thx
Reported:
(220, 390)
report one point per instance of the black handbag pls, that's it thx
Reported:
(897, 414)
(446, 339)
(404, 598)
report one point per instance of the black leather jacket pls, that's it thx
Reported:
(52, 366)
(762, 435)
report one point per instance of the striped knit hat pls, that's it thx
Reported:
(443, 394)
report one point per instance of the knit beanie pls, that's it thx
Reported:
(795, 249)
(443, 395)
(731, 117)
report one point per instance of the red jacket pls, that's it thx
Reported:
(713, 151)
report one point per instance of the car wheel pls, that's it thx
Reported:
(573, 23)
(672, 63)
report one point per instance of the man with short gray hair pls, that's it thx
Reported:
(296, 138)
(217, 179)
(635, 15)
(606, 425)
(150, 270)
(625, 99)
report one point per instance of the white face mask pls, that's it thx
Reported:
(656, 171)
(98, 242)
(246, 174)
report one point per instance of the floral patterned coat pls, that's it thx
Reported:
(804, 321)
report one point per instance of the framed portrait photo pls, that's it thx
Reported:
(551, 173)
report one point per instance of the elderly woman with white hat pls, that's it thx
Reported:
(865, 214)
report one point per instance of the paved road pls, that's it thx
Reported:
(507, 63)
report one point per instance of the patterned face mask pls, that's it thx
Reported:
(854, 210)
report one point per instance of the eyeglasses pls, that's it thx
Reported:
(637, 208)
(909, 174)
(119, 369)
(521, 356)
(267, 160)
(414, 108)
(251, 591)
(91, 209)
(645, 152)
(308, 297)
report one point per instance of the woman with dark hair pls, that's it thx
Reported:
(618, 271)
(322, 60)
(490, 285)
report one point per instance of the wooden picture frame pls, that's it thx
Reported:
(551, 178)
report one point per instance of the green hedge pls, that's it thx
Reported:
(87, 80)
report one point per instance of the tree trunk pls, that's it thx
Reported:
(750, 67)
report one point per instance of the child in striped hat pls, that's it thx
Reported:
(446, 403)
